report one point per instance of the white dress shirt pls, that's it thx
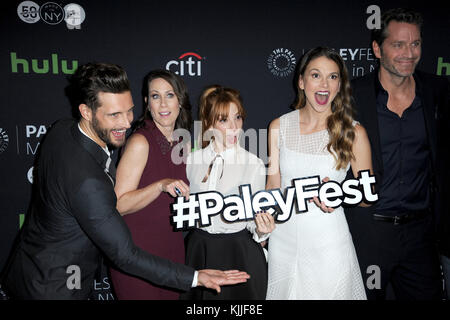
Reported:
(238, 167)
(104, 148)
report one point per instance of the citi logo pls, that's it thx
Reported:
(189, 63)
(44, 66)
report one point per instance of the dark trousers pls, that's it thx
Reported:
(405, 256)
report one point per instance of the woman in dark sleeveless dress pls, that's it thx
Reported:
(150, 169)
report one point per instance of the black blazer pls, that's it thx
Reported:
(434, 92)
(73, 221)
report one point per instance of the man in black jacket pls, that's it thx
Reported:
(402, 110)
(73, 219)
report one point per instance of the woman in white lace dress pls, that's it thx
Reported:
(311, 256)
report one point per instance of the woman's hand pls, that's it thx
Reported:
(265, 223)
(170, 185)
(320, 204)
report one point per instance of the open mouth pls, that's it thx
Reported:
(322, 97)
(232, 139)
(118, 134)
(164, 114)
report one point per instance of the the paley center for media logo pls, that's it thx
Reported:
(281, 62)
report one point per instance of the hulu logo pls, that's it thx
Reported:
(43, 66)
(443, 65)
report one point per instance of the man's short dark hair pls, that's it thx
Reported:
(398, 15)
(92, 78)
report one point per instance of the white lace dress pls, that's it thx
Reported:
(311, 256)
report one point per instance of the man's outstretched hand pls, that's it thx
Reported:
(213, 279)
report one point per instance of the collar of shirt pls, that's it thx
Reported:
(104, 149)
(228, 156)
(382, 96)
(379, 87)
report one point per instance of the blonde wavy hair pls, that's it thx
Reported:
(340, 122)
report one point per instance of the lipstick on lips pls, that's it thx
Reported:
(322, 97)
(232, 136)
(232, 139)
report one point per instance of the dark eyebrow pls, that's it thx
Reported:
(334, 72)
(153, 90)
(113, 113)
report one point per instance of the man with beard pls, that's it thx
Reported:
(403, 111)
(73, 219)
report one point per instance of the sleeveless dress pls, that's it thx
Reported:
(311, 256)
(150, 227)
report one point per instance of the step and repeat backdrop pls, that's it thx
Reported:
(252, 46)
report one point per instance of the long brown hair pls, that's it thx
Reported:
(340, 122)
(214, 105)
(184, 119)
